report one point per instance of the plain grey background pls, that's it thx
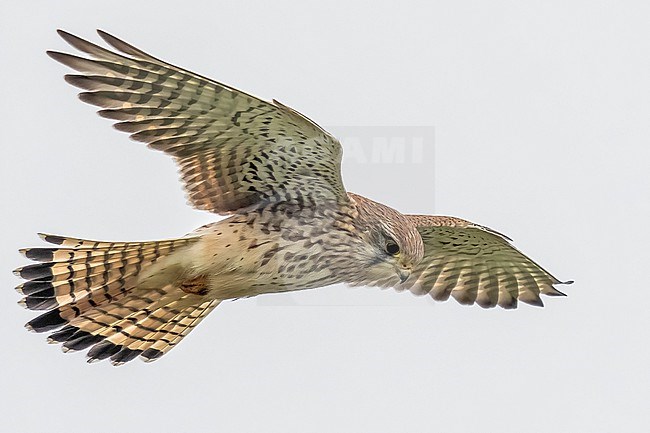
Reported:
(541, 113)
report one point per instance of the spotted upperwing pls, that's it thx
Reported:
(236, 153)
(474, 264)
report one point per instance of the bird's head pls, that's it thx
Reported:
(392, 245)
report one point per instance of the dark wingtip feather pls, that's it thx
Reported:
(81, 81)
(105, 99)
(68, 37)
(63, 33)
(129, 127)
(510, 305)
(534, 302)
(555, 292)
(74, 40)
(46, 322)
(90, 98)
(60, 57)
(113, 114)
(487, 304)
(115, 42)
(125, 47)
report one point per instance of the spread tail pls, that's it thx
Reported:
(91, 292)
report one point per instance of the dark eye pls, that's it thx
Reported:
(392, 248)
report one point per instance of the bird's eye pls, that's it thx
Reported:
(392, 248)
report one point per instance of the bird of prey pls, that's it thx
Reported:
(290, 225)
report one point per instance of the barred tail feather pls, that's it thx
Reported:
(177, 329)
(91, 291)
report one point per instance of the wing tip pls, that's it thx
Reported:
(535, 302)
(108, 113)
(103, 33)
(77, 80)
(91, 98)
(117, 43)
(66, 36)
(56, 55)
(555, 292)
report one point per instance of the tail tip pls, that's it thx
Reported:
(151, 355)
(38, 254)
(52, 239)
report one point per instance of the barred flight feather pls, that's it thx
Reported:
(88, 288)
(474, 264)
(292, 224)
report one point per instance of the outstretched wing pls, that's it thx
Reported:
(474, 264)
(235, 151)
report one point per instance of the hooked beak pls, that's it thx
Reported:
(404, 274)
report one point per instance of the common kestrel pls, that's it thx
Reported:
(291, 225)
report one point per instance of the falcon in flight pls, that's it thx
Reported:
(290, 225)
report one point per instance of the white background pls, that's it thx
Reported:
(541, 113)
